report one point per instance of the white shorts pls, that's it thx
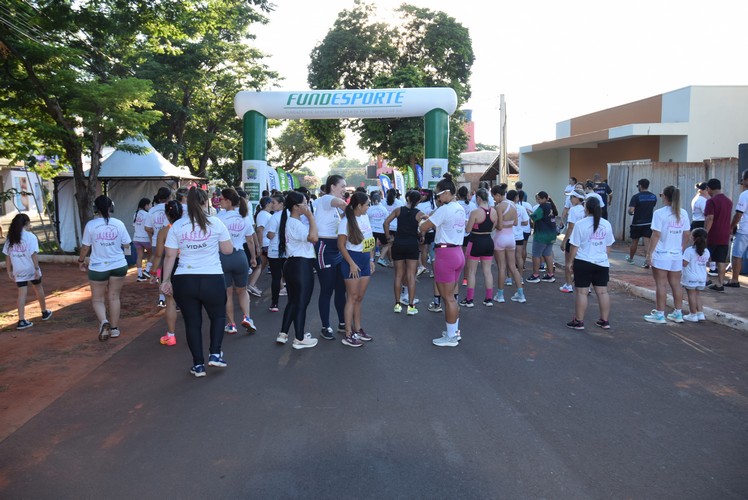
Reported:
(675, 265)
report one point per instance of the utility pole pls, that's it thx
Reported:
(502, 151)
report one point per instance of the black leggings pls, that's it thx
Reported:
(276, 273)
(330, 280)
(193, 292)
(299, 273)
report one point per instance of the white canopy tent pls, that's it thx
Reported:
(126, 178)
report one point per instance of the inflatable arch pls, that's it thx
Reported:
(254, 108)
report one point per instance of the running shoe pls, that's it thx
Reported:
(457, 335)
(305, 343)
(249, 324)
(198, 370)
(147, 275)
(701, 316)
(431, 273)
(217, 360)
(412, 311)
(141, 279)
(488, 302)
(282, 338)
(46, 314)
(542, 266)
(421, 270)
(351, 341)
(645, 266)
(693, 317)
(273, 308)
(283, 292)
(254, 291)
(519, 297)
(23, 324)
(363, 336)
(168, 340)
(341, 327)
(382, 262)
(435, 308)
(404, 299)
(534, 278)
(566, 288)
(575, 324)
(104, 330)
(467, 303)
(464, 282)
(161, 303)
(508, 282)
(629, 260)
(398, 308)
(499, 297)
(603, 323)
(712, 272)
(445, 341)
(114, 333)
(327, 334)
(655, 317)
(230, 329)
(676, 316)
(548, 278)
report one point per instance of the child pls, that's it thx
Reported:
(142, 236)
(21, 259)
(693, 278)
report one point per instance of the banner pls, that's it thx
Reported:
(291, 181)
(386, 184)
(273, 180)
(254, 177)
(410, 178)
(419, 175)
(399, 181)
(282, 179)
(434, 170)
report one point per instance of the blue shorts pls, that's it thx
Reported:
(362, 260)
(740, 246)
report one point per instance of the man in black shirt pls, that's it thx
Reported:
(602, 188)
(641, 207)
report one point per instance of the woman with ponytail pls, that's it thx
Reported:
(142, 236)
(275, 259)
(589, 245)
(670, 234)
(356, 244)
(174, 211)
(22, 262)
(262, 217)
(106, 238)
(234, 214)
(156, 223)
(296, 241)
(197, 240)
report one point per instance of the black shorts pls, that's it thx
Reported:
(586, 273)
(718, 253)
(404, 251)
(567, 247)
(21, 284)
(696, 223)
(465, 241)
(428, 238)
(482, 245)
(380, 237)
(636, 232)
(527, 236)
(519, 243)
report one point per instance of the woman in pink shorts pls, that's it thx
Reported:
(505, 245)
(449, 222)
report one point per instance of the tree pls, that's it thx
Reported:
(353, 170)
(426, 49)
(295, 146)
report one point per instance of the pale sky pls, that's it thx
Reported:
(552, 60)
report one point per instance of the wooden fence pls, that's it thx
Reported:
(623, 177)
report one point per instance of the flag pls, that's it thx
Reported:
(399, 181)
(291, 179)
(385, 182)
(419, 175)
(282, 179)
(273, 179)
(410, 181)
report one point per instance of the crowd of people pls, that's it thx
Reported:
(205, 252)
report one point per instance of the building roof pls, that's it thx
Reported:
(494, 169)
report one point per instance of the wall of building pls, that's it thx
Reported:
(645, 111)
(544, 171)
(673, 148)
(584, 162)
(719, 121)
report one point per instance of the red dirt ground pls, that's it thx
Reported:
(40, 363)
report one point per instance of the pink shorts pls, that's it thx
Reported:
(448, 264)
(504, 239)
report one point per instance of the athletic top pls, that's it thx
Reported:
(142, 220)
(377, 214)
(391, 208)
(742, 207)
(198, 250)
(486, 225)
(272, 227)
(296, 239)
(407, 226)
(468, 207)
(449, 220)
(239, 227)
(262, 219)
(643, 204)
(106, 240)
(592, 245)
(698, 204)
(367, 244)
(694, 272)
(158, 220)
(327, 217)
(20, 256)
(506, 223)
(671, 232)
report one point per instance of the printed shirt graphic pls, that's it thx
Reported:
(671, 231)
(694, 273)
(742, 206)
(643, 204)
(239, 227)
(592, 245)
(142, 220)
(449, 220)
(198, 250)
(377, 214)
(296, 239)
(20, 256)
(367, 245)
(272, 227)
(106, 240)
(467, 206)
(158, 220)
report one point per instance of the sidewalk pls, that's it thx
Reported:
(729, 308)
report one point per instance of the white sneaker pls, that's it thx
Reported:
(283, 292)
(519, 298)
(308, 341)
(421, 270)
(499, 297)
(445, 341)
(566, 288)
(114, 333)
(282, 338)
(693, 317)
(701, 316)
(404, 299)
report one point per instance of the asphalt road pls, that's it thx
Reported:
(523, 408)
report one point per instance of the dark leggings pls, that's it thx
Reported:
(193, 292)
(276, 273)
(299, 273)
(330, 280)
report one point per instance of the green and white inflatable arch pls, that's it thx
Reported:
(434, 104)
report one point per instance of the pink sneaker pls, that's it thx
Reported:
(169, 340)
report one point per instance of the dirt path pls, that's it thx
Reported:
(39, 364)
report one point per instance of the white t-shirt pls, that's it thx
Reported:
(742, 206)
(20, 256)
(576, 213)
(198, 250)
(142, 220)
(671, 231)
(426, 207)
(367, 245)
(467, 206)
(698, 205)
(449, 220)
(106, 240)
(327, 217)
(391, 208)
(239, 227)
(526, 206)
(592, 246)
(522, 216)
(491, 202)
(262, 219)
(377, 214)
(594, 194)
(158, 220)
(694, 273)
(272, 227)
(296, 239)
